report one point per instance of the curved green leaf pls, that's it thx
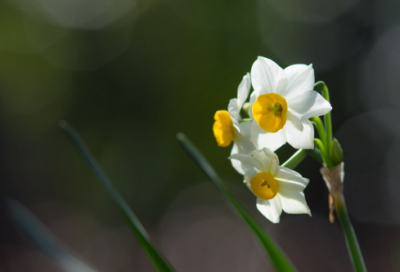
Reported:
(158, 260)
(44, 239)
(278, 259)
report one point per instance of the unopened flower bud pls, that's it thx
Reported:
(246, 107)
(337, 152)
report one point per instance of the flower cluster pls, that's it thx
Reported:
(279, 109)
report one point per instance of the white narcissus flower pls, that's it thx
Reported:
(276, 187)
(227, 126)
(281, 104)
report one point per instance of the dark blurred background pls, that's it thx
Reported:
(130, 74)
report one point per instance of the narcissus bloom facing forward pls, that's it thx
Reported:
(228, 126)
(281, 104)
(276, 187)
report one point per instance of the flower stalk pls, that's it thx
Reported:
(321, 86)
(320, 128)
(351, 238)
(333, 175)
(321, 148)
(294, 160)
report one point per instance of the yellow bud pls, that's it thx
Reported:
(223, 128)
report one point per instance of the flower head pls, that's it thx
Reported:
(276, 187)
(228, 126)
(281, 104)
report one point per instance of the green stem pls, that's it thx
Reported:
(159, 262)
(245, 120)
(351, 239)
(322, 149)
(294, 160)
(316, 155)
(320, 128)
(327, 118)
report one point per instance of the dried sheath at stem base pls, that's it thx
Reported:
(334, 181)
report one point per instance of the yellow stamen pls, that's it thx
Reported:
(269, 111)
(223, 128)
(264, 186)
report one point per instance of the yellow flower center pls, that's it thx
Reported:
(269, 111)
(223, 128)
(264, 186)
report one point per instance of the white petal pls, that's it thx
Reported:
(300, 139)
(242, 145)
(242, 139)
(248, 162)
(273, 166)
(235, 163)
(294, 118)
(253, 98)
(271, 155)
(268, 159)
(300, 79)
(309, 104)
(243, 90)
(271, 209)
(289, 180)
(261, 138)
(245, 128)
(294, 202)
(248, 175)
(267, 77)
(259, 155)
(247, 181)
(234, 112)
(285, 173)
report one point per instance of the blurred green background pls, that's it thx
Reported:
(130, 74)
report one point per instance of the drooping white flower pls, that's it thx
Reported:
(281, 104)
(227, 126)
(277, 188)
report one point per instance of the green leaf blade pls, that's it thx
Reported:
(159, 262)
(278, 259)
(44, 240)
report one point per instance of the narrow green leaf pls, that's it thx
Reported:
(44, 239)
(277, 257)
(158, 260)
